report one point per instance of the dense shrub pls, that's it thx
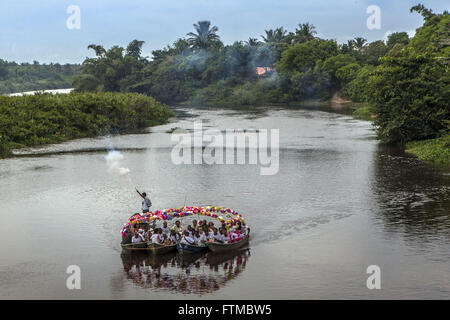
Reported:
(45, 118)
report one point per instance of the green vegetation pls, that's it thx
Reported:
(285, 67)
(363, 111)
(402, 84)
(45, 118)
(16, 77)
(410, 90)
(434, 150)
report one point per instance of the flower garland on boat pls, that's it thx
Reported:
(226, 216)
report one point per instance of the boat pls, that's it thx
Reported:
(161, 248)
(227, 217)
(187, 248)
(224, 247)
(135, 247)
(148, 247)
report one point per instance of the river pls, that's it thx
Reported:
(339, 203)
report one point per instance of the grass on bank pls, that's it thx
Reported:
(433, 150)
(362, 111)
(33, 120)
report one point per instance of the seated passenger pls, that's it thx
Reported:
(205, 226)
(165, 228)
(178, 227)
(137, 238)
(194, 224)
(223, 237)
(187, 239)
(217, 236)
(200, 236)
(174, 237)
(191, 231)
(157, 237)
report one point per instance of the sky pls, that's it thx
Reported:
(37, 30)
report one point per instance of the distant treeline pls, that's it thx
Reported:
(15, 77)
(404, 80)
(38, 119)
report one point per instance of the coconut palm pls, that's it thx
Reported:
(275, 36)
(305, 32)
(359, 43)
(204, 37)
(252, 42)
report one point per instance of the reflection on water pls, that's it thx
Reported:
(176, 273)
(339, 203)
(413, 197)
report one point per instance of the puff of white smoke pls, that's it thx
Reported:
(113, 159)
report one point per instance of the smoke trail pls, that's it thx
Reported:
(113, 159)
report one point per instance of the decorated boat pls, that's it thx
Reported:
(225, 247)
(161, 248)
(187, 248)
(228, 218)
(135, 247)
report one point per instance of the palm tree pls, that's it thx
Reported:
(205, 36)
(252, 42)
(359, 43)
(305, 32)
(276, 36)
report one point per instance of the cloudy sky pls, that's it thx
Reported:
(37, 30)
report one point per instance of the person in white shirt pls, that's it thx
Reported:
(165, 228)
(187, 239)
(137, 238)
(216, 236)
(174, 237)
(200, 236)
(223, 237)
(146, 203)
(190, 230)
(210, 233)
(156, 238)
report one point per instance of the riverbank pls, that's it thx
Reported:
(433, 150)
(33, 120)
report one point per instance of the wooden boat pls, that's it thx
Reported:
(135, 247)
(224, 247)
(161, 248)
(187, 248)
(148, 247)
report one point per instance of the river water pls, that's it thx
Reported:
(339, 203)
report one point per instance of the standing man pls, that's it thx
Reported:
(146, 203)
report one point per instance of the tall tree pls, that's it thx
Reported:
(205, 36)
(275, 36)
(420, 8)
(252, 42)
(304, 32)
(359, 43)
(134, 48)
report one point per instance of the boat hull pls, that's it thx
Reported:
(186, 248)
(135, 247)
(161, 249)
(148, 247)
(224, 247)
